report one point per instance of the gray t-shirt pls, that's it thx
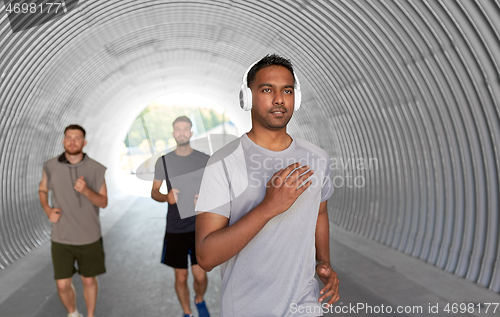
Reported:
(275, 271)
(79, 223)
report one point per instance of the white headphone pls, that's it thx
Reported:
(246, 92)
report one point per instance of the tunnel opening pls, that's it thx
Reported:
(150, 136)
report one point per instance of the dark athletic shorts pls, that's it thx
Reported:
(89, 257)
(176, 248)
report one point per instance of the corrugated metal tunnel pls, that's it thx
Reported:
(403, 95)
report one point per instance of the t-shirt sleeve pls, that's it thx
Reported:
(214, 193)
(159, 169)
(327, 187)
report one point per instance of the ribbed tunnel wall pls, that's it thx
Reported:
(412, 86)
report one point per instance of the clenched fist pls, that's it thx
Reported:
(172, 196)
(54, 215)
(80, 185)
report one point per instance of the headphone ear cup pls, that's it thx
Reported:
(242, 98)
(297, 100)
(245, 98)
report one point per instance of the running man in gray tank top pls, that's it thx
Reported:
(262, 208)
(78, 192)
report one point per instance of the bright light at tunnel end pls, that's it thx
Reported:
(129, 183)
(188, 99)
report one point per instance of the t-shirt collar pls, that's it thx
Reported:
(270, 152)
(62, 158)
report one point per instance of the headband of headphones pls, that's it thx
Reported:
(246, 93)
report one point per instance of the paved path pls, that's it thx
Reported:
(136, 284)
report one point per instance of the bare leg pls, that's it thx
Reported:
(200, 282)
(67, 293)
(90, 290)
(182, 290)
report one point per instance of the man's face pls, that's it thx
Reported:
(272, 97)
(182, 133)
(74, 141)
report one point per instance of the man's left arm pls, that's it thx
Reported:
(325, 272)
(98, 199)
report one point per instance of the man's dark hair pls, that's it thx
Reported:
(266, 61)
(75, 127)
(182, 119)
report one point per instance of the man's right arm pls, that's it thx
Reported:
(216, 242)
(43, 193)
(171, 197)
(155, 192)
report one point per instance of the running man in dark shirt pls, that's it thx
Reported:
(182, 170)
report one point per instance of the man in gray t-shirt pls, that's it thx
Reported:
(262, 208)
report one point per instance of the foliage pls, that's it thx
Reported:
(156, 120)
